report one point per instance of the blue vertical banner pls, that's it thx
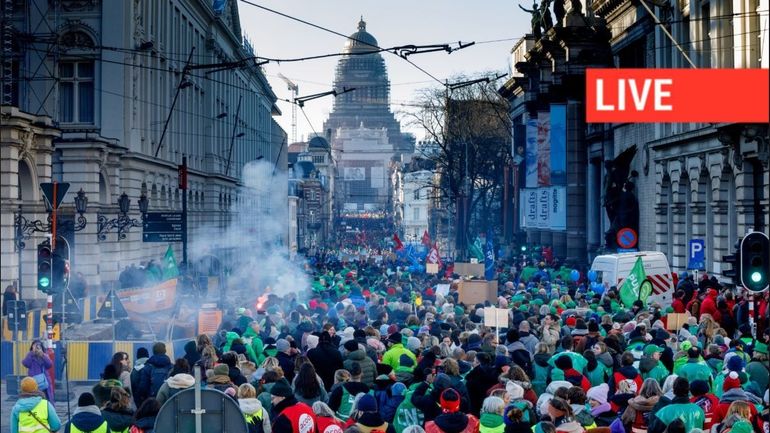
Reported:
(544, 148)
(489, 258)
(531, 154)
(558, 144)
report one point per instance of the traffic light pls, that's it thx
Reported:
(60, 273)
(44, 267)
(755, 260)
(734, 260)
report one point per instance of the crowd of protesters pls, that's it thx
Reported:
(376, 348)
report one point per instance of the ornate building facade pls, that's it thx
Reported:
(95, 83)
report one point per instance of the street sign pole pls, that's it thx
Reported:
(183, 187)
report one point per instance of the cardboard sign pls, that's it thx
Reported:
(442, 289)
(469, 269)
(431, 268)
(208, 321)
(675, 321)
(496, 317)
(477, 292)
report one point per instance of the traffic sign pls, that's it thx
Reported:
(627, 238)
(112, 308)
(163, 227)
(61, 191)
(697, 255)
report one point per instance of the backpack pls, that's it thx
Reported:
(158, 376)
(254, 422)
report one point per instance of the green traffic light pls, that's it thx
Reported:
(523, 248)
(756, 277)
(44, 282)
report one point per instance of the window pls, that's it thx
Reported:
(417, 194)
(76, 92)
(416, 213)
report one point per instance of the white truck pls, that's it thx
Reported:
(614, 268)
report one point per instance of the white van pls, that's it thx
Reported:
(614, 268)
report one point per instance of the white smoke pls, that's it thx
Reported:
(256, 236)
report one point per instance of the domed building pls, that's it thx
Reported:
(369, 104)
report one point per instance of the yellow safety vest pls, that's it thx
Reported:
(101, 429)
(28, 424)
(254, 418)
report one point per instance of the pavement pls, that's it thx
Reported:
(7, 402)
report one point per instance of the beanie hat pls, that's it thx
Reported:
(86, 399)
(394, 337)
(28, 385)
(699, 387)
(413, 344)
(282, 345)
(599, 393)
(571, 321)
(221, 370)
(142, 352)
(593, 326)
(351, 345)
(392, 329)
(731, 381)
(735, 363)
(281, 388)
(450, 401)
(685, 346)
(515, 390)
(384, 329)
(367, 403)
(760, 347)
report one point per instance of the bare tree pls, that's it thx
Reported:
(470, 127)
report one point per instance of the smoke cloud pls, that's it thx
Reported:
(252, 245)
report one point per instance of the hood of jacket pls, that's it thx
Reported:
(159, 361)
(516, 345)
(647, 364)
(249, 405)
(606, 359)
(628, 372)
(180, 381)
(541, 359)
(490, 420)
(118, 420)
(26, 404)
(452, 422)
(357, 355)
(231, 336)
(139, 363)
(643, 404)
(738, 394)
(87, 418)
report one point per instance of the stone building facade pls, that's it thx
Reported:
(105, 75)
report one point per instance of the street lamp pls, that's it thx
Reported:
(123, 222)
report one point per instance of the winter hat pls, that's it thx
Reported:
(413, 344)
(731, 381)
(571, 321)
(658, 325)
(28, 385)
(398, 388)
(570, 427)
(221, 370)
(599, 393)
(142, 352)
(282, 345)
(241, 311)
(699, 387)
(628, 327)
(394, 337)
(735, 363)
(351, 345)
(392, 329)
(384, 329)
(281, 388)
(593, 326)
(367, 403)
(514, 389)
(86, 399)
(685, 346)
(760, 347)
(312, 341)
(450, 401)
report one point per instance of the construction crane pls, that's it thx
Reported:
(294, 90)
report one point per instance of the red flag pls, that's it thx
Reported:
(399, 245)
(433, 257)
(426, 239)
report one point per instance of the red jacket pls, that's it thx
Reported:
(574, 377)
(709, 306)
(721, 411)
(708, 402)
(678, 306)
(327, 424)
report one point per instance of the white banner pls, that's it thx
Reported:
(543, 208)
(558, 207)
(529, 207)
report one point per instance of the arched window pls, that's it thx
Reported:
(76, 81)
(26, 184)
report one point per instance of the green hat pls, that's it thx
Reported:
(538, 302)
(669, 310)
(651, 348)
(685, 345)
(459, 311)
(571, 304)
(760, 347)
(523, 308)
(553, 310)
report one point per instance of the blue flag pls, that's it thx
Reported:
(489, 258)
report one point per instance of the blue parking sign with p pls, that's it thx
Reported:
(697, 255)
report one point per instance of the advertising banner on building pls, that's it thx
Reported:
(355, 173)
(558, 203)
(558, 144)
(543, 149)
(529, 207)
(531, 162)
(543, 208)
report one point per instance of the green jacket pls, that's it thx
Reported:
(579, 363)
(691, 414)
(393, 358)
(696, 370)
(256, 345)
(232, 336)
(491, 423)
(659, 373)
(599, 375)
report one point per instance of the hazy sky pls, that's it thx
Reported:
(392, 22)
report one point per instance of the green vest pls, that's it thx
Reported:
(406, 414)
(101, 429)
(28, 424)
(346, 404)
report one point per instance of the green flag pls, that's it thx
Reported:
(476, 250)
(630, 290)
(169, 265)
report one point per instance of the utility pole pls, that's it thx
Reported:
(182, 174)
